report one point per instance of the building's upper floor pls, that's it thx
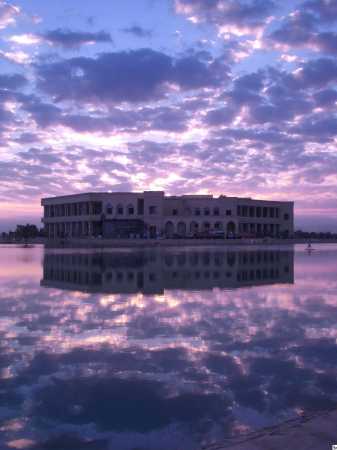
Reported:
(154, 204)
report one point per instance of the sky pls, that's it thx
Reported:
(233, 97)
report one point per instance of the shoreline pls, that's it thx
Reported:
(155, 243)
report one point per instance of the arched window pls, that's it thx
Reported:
(169, 229)
(194, 227)
(109, 209)
(230, 228)
(120, 210)
(206, 226)
(181, 229)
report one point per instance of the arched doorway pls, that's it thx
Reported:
(181, 229)
(169, 230)
(230, 228)
(194, 228)
(206, 226)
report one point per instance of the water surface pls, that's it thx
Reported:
(162, 349)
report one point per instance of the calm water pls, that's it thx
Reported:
(162, 349)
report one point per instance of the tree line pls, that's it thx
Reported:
(23, 232)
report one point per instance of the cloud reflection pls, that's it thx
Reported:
(102, 361)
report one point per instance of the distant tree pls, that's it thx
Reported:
(27, 231)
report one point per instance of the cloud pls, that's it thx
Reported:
(325, 10)
(317, 128)
(138, 31)
(326, 97)
(315, 73)
(64, 38)
(133, 76)
(8, 14)
(13, 81)
(221, 116)
(301, 29)
(25, 39)
(230, 16)
(72, 39)
(16, 57)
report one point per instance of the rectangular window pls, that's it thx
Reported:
(140, 206)
(152, 210)
(174, 212)
(286, 216)
(228, 212)
(97, 208)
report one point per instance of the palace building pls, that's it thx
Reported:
(153, 214)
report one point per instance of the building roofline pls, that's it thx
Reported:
(183, 196)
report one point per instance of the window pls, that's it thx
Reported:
(206, 211)
(228, 212)
(197, 212)
(120, 210)
(97, 208)
(216, 211)
(140, 206)
(286, 216)
(174, 212)
(152, 210)
(109, 209)
(131, 210)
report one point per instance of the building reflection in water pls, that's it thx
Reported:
(153, 271)
(157, 349)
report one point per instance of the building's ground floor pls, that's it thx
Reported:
(170, 228)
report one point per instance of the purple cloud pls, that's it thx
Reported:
(134, 76)
(138, 31)
(326, 10)
(8, 14)
(243, 15)
(73, 39)
(12, 81)
(302, 29)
